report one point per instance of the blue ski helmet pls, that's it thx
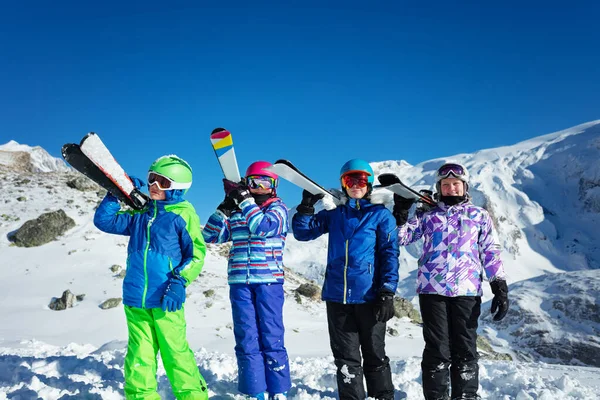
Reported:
(357, 165)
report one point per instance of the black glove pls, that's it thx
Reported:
(228, 185)
(307, 206)
(239, 194)
(227, 206)
(388, 179)
(500, 300)
(384, 306)
(401, 207)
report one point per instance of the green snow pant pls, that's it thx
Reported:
(151, 330)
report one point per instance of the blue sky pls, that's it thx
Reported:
(317, 83)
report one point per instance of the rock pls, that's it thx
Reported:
(21, 198)
(80, 297)
(392, 332)
(83, 184)
(67, 300)
(115, 268)
(404, 308)
(45, 228)
(209, 293)
(486, 351)
(309, 290)
(111, 303)
(121, 275)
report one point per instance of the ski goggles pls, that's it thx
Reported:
(165, 183)
(360, 180)
(451, 169)
(260, 182)
(161, 181)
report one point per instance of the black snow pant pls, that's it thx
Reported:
(450, 333)
(353, 330)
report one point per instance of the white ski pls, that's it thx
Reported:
(98, 153)
(289, 172)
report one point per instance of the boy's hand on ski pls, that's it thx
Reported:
(137, 182)
(388, 179)
(174, 296)
(111, 197)
(307, 206)
(500, 300)
(384, 306)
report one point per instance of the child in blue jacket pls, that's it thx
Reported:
(165, 254)
(360, 280)
(255, 220)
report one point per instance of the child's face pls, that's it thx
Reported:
(260, 191)
(156, 193)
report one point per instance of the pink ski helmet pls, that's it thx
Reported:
(257, 168)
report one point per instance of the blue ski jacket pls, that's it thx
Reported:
(258, 239)
(165, 241)
(362, 255)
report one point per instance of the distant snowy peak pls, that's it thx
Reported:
(21, 157)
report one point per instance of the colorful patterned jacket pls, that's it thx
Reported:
(458, 243)
(258, 236)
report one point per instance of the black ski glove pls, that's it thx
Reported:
(500, 300)
(307, 206)
(228, 185)
(227, 206)
(384, 306)
(239, 194)
(401, 207)
(423, 207)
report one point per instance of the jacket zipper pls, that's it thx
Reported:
(146, 255)
(345, 271)
(248, 264)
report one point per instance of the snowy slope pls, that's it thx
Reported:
(543, 194)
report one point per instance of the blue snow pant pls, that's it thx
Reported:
(262, 359)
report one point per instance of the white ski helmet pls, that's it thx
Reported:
(455, 170)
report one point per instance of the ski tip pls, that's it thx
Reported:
(66, 147)
(219, 133)
(87, 137)
(282, 161)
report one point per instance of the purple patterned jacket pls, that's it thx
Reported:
(458, 242)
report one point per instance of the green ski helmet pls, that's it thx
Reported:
(175, 169)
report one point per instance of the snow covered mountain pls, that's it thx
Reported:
(20, 157)
(544, 195)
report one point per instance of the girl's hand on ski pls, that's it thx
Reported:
(229, 186)
(227, 206)
(239, 194)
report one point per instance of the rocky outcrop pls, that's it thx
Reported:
(67, 300)
(45, 228)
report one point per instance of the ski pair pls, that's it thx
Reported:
(222, 143)
(93, 159)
